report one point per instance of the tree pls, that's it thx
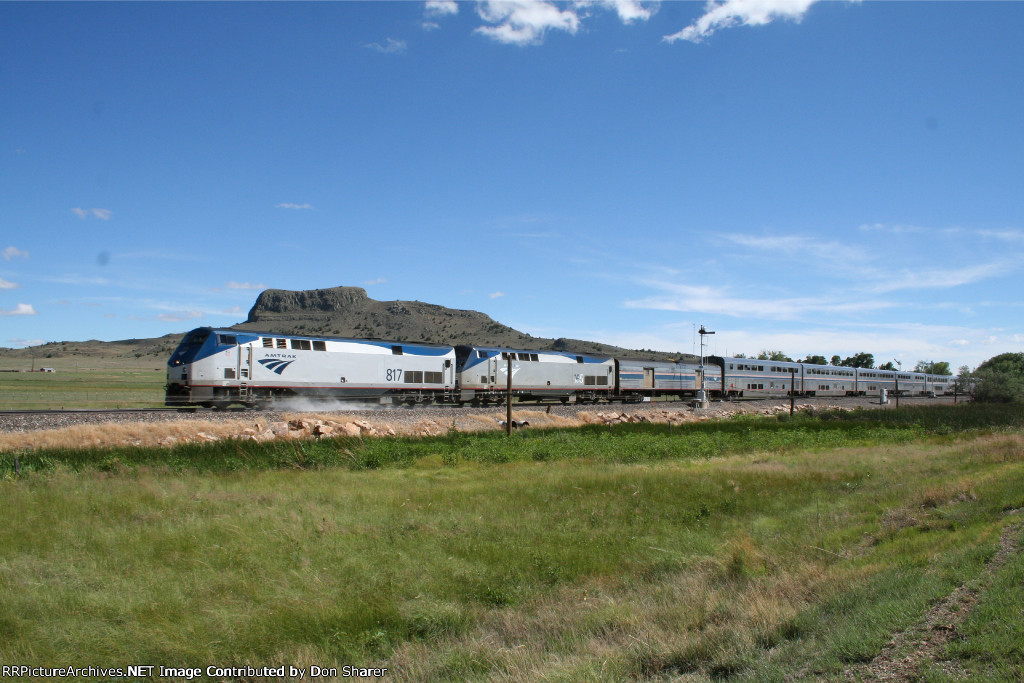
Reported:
(836, 360)
(887, 366)
(1000, 379)
(860, 360)
(963, 380)
(931, 367)
(774, 355)
(814, 360)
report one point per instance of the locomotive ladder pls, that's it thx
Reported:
(244, 375)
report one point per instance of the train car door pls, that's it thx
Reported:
(648, 378)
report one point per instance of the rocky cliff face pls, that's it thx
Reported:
(280, 301)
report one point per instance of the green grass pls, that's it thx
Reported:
(760, 550)
(111, 388)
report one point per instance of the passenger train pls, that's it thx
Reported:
(220, 367)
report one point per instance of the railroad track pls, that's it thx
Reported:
(95, 411)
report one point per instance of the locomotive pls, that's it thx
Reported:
(220, 367)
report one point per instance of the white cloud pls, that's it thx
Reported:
(102, 214)
(179, 316)
(895, 229)
(391, 46)
(727, 13)
(378, 281)
(21, 309)
(1003, 235)
(833, 253)
(78, 280)
(628, 10)
(7, 284)
(295, 207)
(696, 299)
(943, 278)
(872, 270)
(14, 252)
(244, 285)
(25, 343)
(495, 295)
(438, 8)
(524, 22)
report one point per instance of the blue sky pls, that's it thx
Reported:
(814, 177)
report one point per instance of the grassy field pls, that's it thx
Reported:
(752, 549)
(93, 388)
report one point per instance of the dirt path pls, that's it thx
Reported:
(910, 651)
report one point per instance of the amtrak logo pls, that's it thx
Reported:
(275, 364)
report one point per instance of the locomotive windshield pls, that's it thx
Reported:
(189, 346)
(461, 356)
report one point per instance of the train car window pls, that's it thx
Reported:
(319, 346)
(483, 379)
(229, 373)
(227, 339)
(534, 357)
(301, 344)
(396, 350)
(602, 381)
(524, 356)
(504, 355)
(590, 380)
(481, 354)
(282, 343)
(268, 343)
(579, 359)
(433, 377)
(414, 377)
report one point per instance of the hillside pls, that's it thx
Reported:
(336, 312)
(93, 354)
(349, 312)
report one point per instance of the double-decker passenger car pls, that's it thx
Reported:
(750, 378)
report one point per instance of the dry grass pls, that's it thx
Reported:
(111, 434)
(114, 434)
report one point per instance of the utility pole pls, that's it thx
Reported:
(792, 389)
(900, 364)
(703, 395)
(508, 409)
